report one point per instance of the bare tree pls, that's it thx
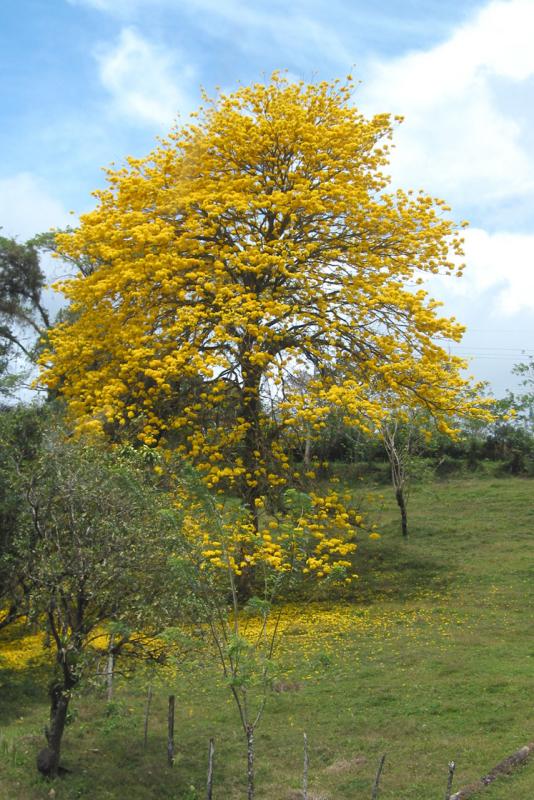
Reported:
(397, 447)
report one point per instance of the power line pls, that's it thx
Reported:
(529, 331)
(491, 347)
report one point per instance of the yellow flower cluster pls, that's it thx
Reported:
(318, 540)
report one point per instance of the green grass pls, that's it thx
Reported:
(433, 661)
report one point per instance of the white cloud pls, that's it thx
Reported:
(145, 80)
(499, 278)
(28, 207)
(460, 137)
(504, 264)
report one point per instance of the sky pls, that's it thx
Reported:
(87, 82)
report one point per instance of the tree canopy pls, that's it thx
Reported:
(21, 283)
(257, 241)
(22, 311)
(90, 545)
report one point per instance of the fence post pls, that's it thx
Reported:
(211, 753)
(147, 712)
(374, 795)
(170, 733)
(305, 770)
(452, 767)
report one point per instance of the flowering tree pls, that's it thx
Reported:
(255, 242)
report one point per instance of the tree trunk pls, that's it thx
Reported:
(109, 669)
(306, 459)
(401, 502)
(503, 768)
(48, 757)
(10, 615)
(251, 410)
(251, 414)
(243, 582)
(170, 732)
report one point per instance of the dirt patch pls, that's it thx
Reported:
(346, 765)
(286, 686)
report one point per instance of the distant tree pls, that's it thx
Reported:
(511, 441)
(508, 436)
(23, 316)
(21, 284)
(522, 402)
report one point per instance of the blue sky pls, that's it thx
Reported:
(87, 82)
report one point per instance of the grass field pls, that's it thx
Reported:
(431, 659)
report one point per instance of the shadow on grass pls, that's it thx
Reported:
(105, 755)
(21, 689)
(399, 571)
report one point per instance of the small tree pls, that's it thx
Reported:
(522, 402)
(21, 431)
(94, 542)
(397, 446)
(406, 432)
(208, 563)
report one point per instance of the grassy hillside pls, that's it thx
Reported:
(430, 659)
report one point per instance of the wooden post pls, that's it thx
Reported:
(503, 768)
(452, 767)
(170, 734)
(305, 770)
(211, 753)
(109, 669)
(147, 712)
(374, 795)
(249, 730)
